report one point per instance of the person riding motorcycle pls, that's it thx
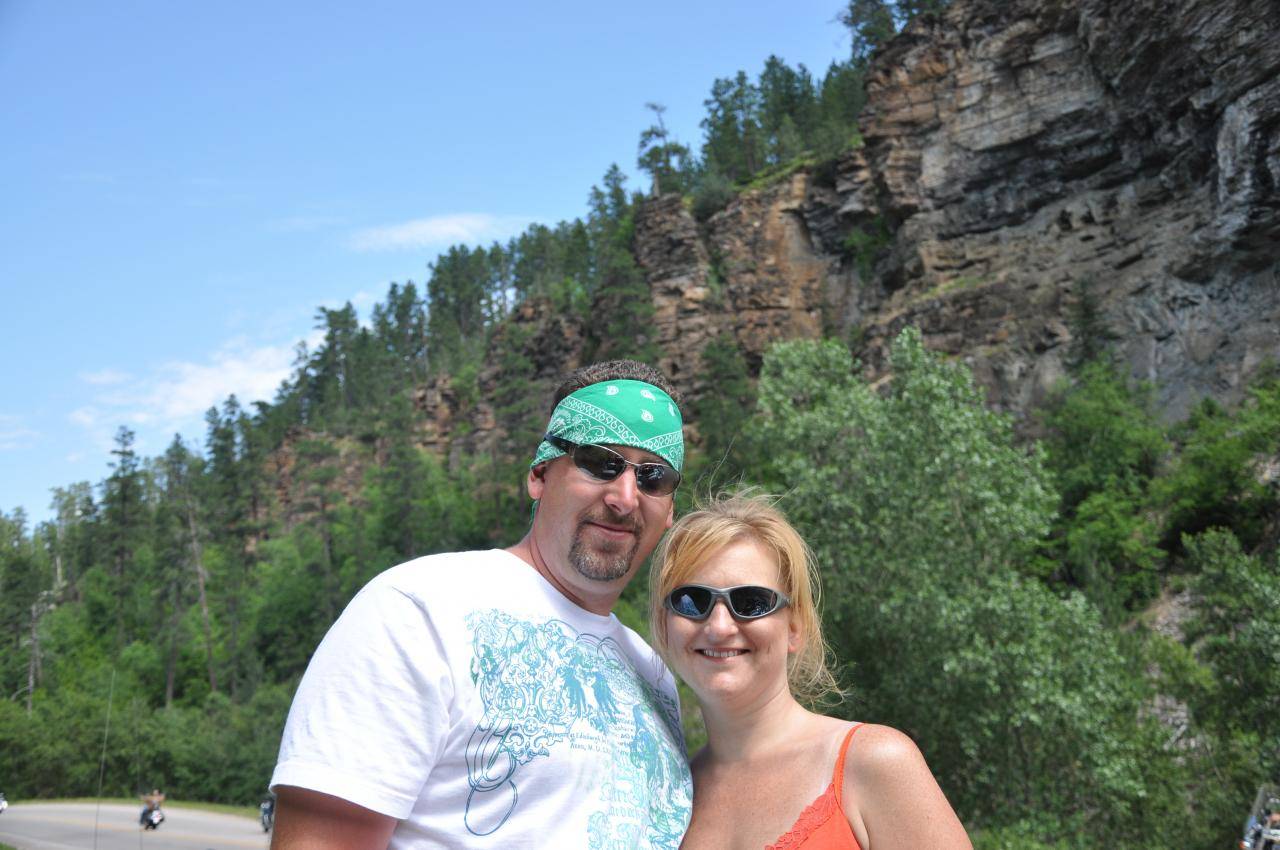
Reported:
(150, 803)
(267, 811)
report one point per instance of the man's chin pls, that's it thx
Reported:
(602, 563)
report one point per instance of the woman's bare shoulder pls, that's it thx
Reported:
(878, 750)
(894, 794)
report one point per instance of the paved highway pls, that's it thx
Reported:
(71, 826)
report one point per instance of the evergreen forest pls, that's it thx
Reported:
(1078, 620)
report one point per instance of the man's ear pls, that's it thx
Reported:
(536, 481)
(671, 513)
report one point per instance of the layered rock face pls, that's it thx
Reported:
(1021, 149)
(1015, 153)
(753, 276)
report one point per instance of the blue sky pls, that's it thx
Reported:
(184, 184)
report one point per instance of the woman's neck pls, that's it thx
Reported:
(741, 733)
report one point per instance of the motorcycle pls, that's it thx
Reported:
(1262, 829)
(267, 814)
(1262, 837)
(153, 818)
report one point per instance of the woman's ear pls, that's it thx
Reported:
(795, 637)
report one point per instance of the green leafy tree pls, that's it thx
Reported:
(789, 110)
(921, 510)
(125, 517)
(664, 159)
(734, 144)
(1236, 632)
(1219, 478)
(319, 466)
(457, 302)
(620, 318)
(720, 417)
(1104, 447)
(871, 24)
(840, 102)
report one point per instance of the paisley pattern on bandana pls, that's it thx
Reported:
(618, 413)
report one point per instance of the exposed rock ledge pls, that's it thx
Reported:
(1015, 149)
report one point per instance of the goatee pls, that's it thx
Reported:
(608, 561)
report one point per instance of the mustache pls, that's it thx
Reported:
(630, 522)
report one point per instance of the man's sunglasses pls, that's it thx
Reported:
(604, 464)
(745, 602)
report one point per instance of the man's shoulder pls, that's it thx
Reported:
(435, 574)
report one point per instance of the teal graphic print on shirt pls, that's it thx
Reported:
(548, 688)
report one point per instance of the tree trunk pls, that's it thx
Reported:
(172, 663)
(197, 560)
(33, 663)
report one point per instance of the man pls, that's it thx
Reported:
(490, 699)
(150, 802)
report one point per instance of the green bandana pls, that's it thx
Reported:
(618, 413)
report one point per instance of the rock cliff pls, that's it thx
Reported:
(1015, 152)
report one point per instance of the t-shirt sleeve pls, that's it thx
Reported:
(372, 712)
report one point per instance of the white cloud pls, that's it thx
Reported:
(14, 434)
(184, 390)
(173, 397)
(104, 377)
(437, 231)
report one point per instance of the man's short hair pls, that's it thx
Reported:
(613, 370)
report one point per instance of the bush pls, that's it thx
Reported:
(712, 193)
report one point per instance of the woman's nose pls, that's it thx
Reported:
(720, 621)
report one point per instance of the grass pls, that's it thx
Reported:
(777, 173)
(221, 808)
(955, 284)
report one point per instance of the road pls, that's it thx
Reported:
(70, 826)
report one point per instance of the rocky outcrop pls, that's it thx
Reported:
(753, 277)
(687, 297)
(1022, 148)
(1015, 151)
(532, 350)
(773, 277)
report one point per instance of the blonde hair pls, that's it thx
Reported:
(729, 518)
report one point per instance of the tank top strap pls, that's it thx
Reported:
(837, 778)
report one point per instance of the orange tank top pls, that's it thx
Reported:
(823, 824)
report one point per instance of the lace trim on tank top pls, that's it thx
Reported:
(820, 810)
(814, 815)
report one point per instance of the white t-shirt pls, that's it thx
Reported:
(467, 697)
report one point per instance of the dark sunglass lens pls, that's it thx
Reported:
(599, 462)
(752, 601)
(656, 478)
(690, 601)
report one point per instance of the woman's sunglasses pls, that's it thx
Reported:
(745, 602)
(604, 464)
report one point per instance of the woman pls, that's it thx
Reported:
(734, 612)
